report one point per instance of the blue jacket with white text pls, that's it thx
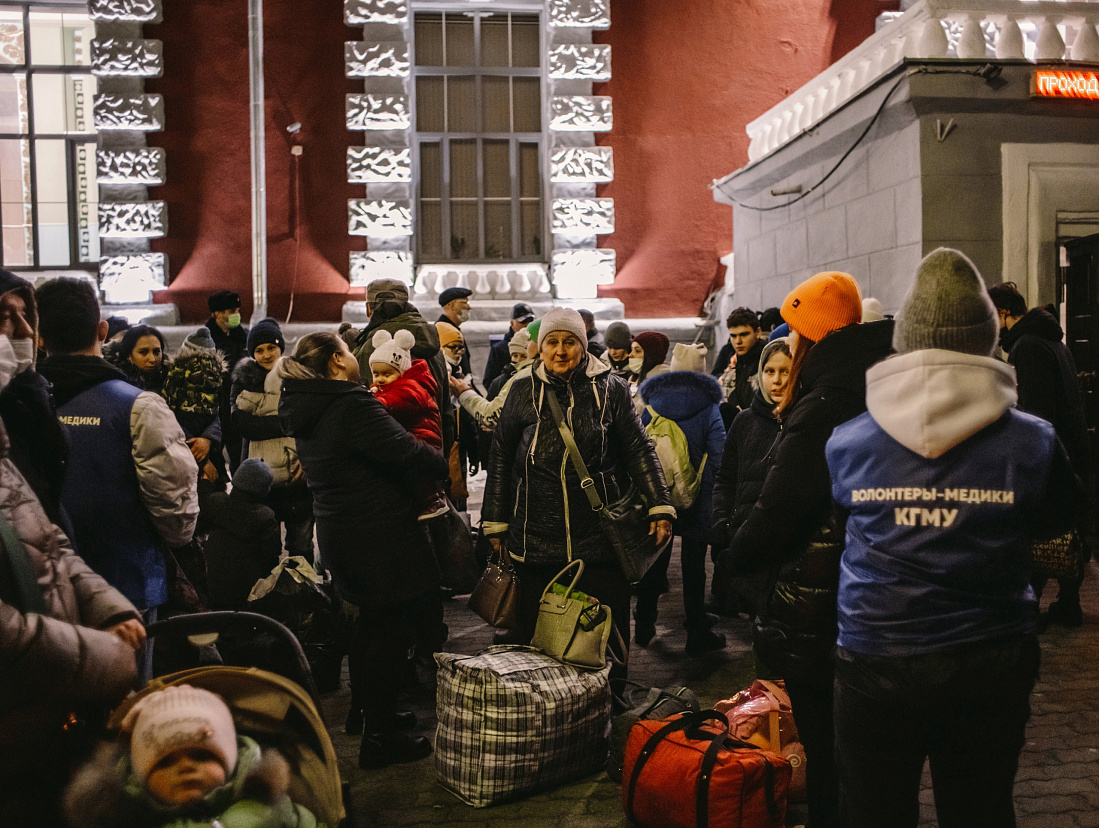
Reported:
(945, 487)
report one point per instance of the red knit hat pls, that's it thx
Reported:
(655, 345)
(822, 304)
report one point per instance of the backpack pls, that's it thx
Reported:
(675, 458)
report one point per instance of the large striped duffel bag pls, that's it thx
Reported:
(513, 721)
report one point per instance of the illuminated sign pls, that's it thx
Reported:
(1050, 83)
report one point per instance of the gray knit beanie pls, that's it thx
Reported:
(253, 476)
(947, 308)
(618, 336)
(562, 319)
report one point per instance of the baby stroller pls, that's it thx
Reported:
(274, 710)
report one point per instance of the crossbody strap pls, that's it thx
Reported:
(586, 482)
(26, 585)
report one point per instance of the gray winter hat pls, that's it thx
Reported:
(253, 476)
(201, 338)
(947, 308)
(618, 336)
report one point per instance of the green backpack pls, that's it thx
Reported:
(675, 458)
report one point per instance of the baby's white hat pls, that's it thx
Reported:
(178, 717)
(393, 350)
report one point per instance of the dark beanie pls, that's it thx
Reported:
(253, 477)
(947, 308)
(655, 345)
(618, 336)
(265, 332)
(223, 300)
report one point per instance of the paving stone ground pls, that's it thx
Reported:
(1057, 785)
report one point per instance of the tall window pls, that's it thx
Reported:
(479, 136)
(48, 192)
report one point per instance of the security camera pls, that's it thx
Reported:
(294, 127)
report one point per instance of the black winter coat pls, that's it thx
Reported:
(244, 545)
(39, 447)
(1046, 376)
(792, 524)
(533, 492)
(749, 449)
(361, 465)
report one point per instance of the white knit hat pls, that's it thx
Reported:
(393, 349)
(689, 357)
(563, 319)
(178, 717)
(519, 342)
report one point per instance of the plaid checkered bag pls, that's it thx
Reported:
(513, 721)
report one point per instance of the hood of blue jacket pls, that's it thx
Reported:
(680, 395)
(930, 401)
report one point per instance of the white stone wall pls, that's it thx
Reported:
(126, 167)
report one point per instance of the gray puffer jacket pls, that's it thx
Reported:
(52, 664)
(533, 493)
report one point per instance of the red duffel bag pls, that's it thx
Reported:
(683, 773)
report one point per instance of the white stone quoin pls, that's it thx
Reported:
(376, 60)
(379, 165)
(367, 112)
(362, 12)
(380, 218)
(137, 166)
(582, 165)
(143, 113)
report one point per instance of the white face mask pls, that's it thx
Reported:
(10, 362)
(463, 316)
(24, 353)
(450, 358)
(635, 364)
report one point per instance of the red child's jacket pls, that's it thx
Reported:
(410, 400)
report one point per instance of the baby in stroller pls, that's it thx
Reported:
(186, 767)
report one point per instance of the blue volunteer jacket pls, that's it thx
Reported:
(113, 531)
(937, 549)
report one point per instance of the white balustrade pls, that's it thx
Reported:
(1035, 30)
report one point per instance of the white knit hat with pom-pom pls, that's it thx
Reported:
(393, 350)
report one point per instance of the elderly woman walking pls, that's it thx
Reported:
(533, 501)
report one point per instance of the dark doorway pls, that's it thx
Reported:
(1080, 292)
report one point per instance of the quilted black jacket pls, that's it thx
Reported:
(792, 524)
(533, 493)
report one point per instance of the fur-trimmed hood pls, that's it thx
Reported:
(680, 395)
(105, 793)
(250, 375)
(189, 352)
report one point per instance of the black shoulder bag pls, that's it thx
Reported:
(625, 522)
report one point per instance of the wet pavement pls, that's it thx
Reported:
(1057, 785)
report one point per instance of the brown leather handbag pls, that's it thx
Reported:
(496, 596)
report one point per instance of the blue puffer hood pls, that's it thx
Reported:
(680, 395)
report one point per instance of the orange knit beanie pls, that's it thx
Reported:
(822, 304)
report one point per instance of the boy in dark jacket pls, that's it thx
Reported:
(245, 542)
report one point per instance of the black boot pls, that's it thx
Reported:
(703, 641)
(406, 720)
(379, 750)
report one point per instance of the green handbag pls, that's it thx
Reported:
(574, 630)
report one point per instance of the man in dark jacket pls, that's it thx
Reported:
(455, 304)
(1046, 377)
(745, 344)
(499, 356)
(231, 338)
(595, 347)
(38, 446)
(130, 486)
